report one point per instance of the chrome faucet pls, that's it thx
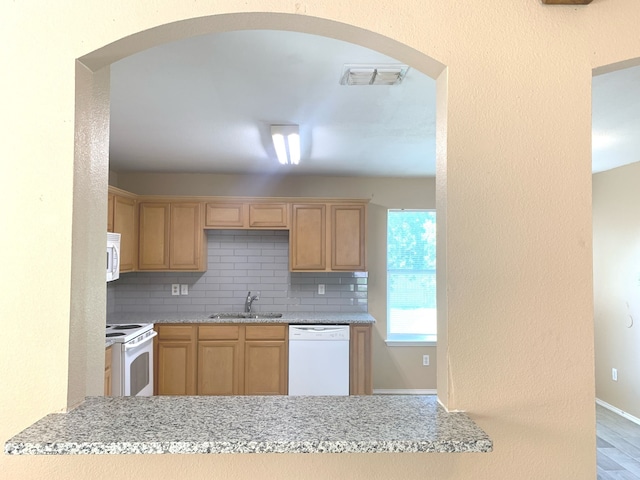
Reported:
(249, 301)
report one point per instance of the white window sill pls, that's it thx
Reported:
(412, 341)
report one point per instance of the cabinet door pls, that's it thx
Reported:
(176, 360)
(224, 215)
(308, 240)
(124, 223)
(186, 237)
(219, 367)
(268, 215)
(265, 368)
(348, 225)
(154, 236)
(107, 372)
(360, 379)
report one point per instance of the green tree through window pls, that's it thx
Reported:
(411, 275)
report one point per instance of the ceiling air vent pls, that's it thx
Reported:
(373, 74)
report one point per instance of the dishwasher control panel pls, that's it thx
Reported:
(319, 332)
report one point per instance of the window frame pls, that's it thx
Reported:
(404, 340)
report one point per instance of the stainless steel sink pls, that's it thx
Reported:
(238, 315)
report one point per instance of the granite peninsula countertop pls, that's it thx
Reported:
(297, 317)
(252, 424)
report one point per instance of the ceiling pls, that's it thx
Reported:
(206, 104)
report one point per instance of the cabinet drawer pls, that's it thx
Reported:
(265, 332)
(175, 332)
(218, 332)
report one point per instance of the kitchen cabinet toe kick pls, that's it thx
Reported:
(210, 425)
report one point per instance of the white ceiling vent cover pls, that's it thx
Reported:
(373, 74)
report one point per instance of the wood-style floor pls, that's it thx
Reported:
(618, 444)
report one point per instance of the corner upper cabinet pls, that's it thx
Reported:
(328, 237)
(122, 218)
(171, 236)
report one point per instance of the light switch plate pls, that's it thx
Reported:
(321, 289)
(184, 289)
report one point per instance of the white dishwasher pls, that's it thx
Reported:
(318, 359)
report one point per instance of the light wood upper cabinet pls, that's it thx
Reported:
(154, 236)
(247, 214)
(186, 237)
(341, 237)
(268, 215)
(171, 236)
(308, 237)
(225, 215)
(110, 212)
(122, 218)
(348, 249)
(125, 222)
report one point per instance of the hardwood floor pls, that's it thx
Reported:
(618, 446)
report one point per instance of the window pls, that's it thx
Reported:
(411, 276)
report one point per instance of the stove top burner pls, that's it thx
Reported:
(118, 334)
(126, 327)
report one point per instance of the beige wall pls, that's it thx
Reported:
(393, 367)
(516, 197)
(616, 285)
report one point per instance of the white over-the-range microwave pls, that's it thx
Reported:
(113, 256)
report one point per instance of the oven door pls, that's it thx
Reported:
(135, 370)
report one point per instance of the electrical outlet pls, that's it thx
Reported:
(175, 289)
(425, 360)
(614, 374)
(184, 289)
(321, 289)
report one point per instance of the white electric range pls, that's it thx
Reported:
(132, 360)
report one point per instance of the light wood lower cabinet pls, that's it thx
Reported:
(220, 359)
(266, 360)
(108, 376)
(360, 377)
(241, 359)
(175, 360)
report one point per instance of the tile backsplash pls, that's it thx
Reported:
(240, 261)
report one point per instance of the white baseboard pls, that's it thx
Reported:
(404, 391)
(622, 413)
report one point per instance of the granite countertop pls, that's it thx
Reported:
(297, 317)
(252, 424)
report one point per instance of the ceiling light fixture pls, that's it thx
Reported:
(391, 74)
(286, 141)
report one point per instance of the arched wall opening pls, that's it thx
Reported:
(91, 161)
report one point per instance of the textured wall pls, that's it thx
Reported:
(518, 209)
